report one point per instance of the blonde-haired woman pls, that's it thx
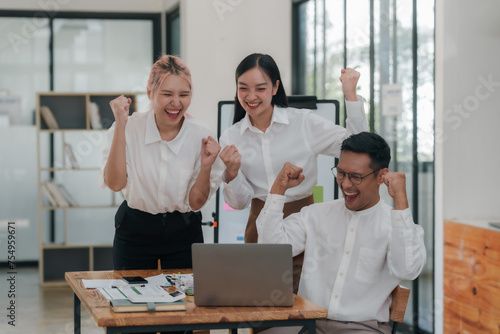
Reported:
(166, 166)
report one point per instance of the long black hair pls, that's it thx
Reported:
(268, 65)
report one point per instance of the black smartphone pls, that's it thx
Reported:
(175, 293)
(135, 280)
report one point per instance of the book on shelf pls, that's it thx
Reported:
(57, 194)
(49, 118)
(67, 196)
(70, 155)
(125, 305)
(95, 117)
(48, 194)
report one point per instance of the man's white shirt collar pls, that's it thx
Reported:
(366, 211)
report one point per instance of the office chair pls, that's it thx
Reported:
(397, 310)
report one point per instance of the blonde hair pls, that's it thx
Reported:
(165, 65)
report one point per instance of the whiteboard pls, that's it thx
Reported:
(231, 223)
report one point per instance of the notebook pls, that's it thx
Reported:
(242, 275)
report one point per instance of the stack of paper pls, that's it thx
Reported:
(151, 297)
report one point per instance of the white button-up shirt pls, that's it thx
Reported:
(352, 259)
(160, 173)
(297, 136)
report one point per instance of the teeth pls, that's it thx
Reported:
(173, 112)
(253, 104)
(351, 194)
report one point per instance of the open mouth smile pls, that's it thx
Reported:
(173, 113)
(253, 105)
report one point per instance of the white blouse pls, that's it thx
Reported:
(297, 136)
(160, 173)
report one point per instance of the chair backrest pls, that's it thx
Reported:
(400, 297)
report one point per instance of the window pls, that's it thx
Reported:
(24, 63)
(101, 55)
(390, 42)
(174, 32)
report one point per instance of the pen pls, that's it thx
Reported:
(131, 285)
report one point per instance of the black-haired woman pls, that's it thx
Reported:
(266, 133)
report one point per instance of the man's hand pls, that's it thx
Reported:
(120, 107)
(396, 186)
(349, 78)
(232, 159)
(209, 151)
(290, 176)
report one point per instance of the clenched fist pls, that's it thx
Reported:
(232, 159)
(289, 176)
(396, 186)
(120, 107)
(210, 148)
(349, 79)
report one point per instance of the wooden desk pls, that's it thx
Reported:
(471, 277)
(302, 313)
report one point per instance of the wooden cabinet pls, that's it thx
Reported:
(75, 231)
(471, 278)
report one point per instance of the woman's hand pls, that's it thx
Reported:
(349, 78)
(232, 159)
(210, 148)
(120, 107)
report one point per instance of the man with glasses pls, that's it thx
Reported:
(356, 249)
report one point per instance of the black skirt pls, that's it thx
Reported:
(142, 238)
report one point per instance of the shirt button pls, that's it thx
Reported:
(164, 215)
(347, 252)
(341, 274)
(274, 202)
(352, 229)
(336, 296)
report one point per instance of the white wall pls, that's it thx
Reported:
(217, 34)
(471, 110)
(467, 118)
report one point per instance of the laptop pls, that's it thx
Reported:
(242, 274)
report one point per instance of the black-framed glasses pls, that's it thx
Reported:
(355, 178)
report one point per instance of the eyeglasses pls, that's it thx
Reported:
(355, 178)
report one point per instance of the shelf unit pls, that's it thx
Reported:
(75, 237)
